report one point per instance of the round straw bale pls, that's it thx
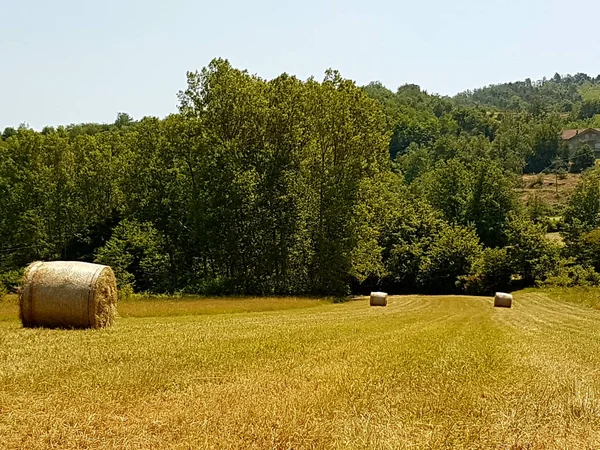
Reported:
(378, 299)
(65, 294)
(502, 300)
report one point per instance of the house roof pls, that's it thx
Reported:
(570, 134)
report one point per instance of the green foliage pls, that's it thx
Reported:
(482, 195)
(533, 257)
(136, 253)
(546, 146)
(537, 209)
(588, 108)
(587, 249)
(583, 209)
(558, 94)
(9, 281)
(286, 186)
(583, 157)
(491, 272)
(8, 132)
(287, 210)
(448, 189)
(571, 275)
(410, 227)
(492, 199)
(450, 257)
(514, 141)
(414, 163)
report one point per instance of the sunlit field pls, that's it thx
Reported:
(425, 372)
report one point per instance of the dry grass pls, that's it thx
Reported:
(425, 372)
(547, 190)
(583, 295)
(192, 306)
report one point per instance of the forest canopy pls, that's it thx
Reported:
(309, 187)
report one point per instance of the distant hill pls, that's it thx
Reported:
(577, 95)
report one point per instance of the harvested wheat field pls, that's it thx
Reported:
(425, 372)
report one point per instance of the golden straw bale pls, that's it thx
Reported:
(378, 299)
(502, 300)
(67, 294)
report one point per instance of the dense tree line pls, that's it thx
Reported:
(576, 95)
(287, 186)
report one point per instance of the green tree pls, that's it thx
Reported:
(448, 188)
(136, 253)
(8, 132)
(123, 120)
(532, 255)
(583, 158)
(450, 257)
(587, 249)
(514, 142)
(546, 145)
(492, 272)
(491, 200)
(414, 163)
(583, 208)
(409, 228)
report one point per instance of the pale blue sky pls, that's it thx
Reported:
(67, 61)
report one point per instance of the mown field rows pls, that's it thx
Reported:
(425, 372)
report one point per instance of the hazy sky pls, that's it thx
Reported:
(67, 61)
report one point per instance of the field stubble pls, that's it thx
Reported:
(425, 372)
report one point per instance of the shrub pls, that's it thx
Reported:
(126, 292)
(573, 275)
(135, 252)
(450, 257)
(492, 272)
(537, 208)
(554, 224)
(9, 281)
(583, 157)
(532, 255)
(582, 213)
(562, 173)
(587, 249)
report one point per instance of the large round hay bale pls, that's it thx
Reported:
(502, 300)
(65, 294)
(378, 299)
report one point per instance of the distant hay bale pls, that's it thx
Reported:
(502, 300)
(378, 299)
(64, 294)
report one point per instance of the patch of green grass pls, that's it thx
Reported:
(425, 372)
(585, 296)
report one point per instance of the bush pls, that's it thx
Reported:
(135, 252)
(582, 213)
(9, 281)
(533, 257)
(562, 173)
(537, 208)
(492, 272)
(125, 292)
(450, 257)
(587, 249)
(554, 224)
(573, 275)
(583, 158)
